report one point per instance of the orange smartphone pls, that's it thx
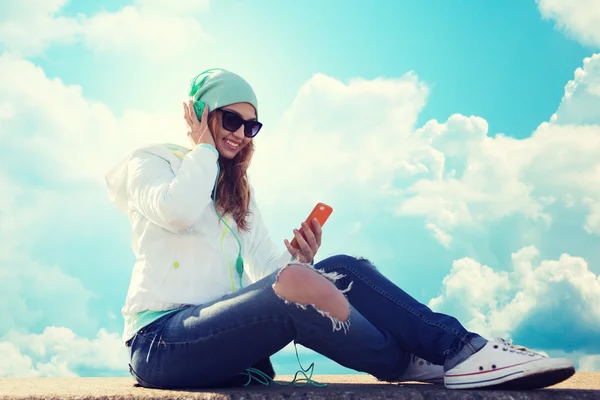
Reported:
(321, 212)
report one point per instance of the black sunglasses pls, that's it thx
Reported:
(232, 122)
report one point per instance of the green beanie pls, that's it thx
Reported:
(219, 88)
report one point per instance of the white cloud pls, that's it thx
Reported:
(58, 352)
(63, 139)
(443, 237)
(479, 178)
(589, 363)
(501, 176)
(479, 289)
(291, 348)
(173, 7)
(155, 28)
(70, 143)
(158, 29)
(452, 173)
(6, 111)
(592, 223)
(72, 137)
(581, 101)
(30, 26)
(13, 363)
(367, 126)
(34, 293)
(579, 19)
(501, 303)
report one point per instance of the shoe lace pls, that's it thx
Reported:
(509, 346)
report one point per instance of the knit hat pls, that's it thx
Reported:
(219, 88)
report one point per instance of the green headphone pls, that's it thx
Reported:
(199, 105)
(197, 83)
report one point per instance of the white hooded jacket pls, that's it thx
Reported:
(184, 254)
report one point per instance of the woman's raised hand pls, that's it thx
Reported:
(198, 131)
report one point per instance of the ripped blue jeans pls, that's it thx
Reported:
(213, 344)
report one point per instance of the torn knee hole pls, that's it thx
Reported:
(304, 286)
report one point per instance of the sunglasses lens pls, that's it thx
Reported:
(231, 122)
(251, 128)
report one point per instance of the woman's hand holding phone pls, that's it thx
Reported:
(308, 241)
(198, 129)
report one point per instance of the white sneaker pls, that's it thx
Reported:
(501, 365)
(420, 370)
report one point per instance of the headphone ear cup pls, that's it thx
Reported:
(199, 108)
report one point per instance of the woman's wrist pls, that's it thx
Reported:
(208, 146)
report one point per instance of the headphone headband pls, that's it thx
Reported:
(195, 86)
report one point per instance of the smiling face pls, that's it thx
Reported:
(228, 143)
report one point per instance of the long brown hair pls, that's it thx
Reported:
(233, 187)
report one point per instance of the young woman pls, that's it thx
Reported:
(211, 296)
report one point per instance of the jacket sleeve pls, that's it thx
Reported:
(261, 256)
(172, 200)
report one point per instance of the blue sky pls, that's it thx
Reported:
(464, 162)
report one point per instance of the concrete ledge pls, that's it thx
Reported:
(581, 386)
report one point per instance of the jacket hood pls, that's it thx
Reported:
(117, 177)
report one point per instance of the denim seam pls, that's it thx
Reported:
(398, 302)
(142, 382)
(214, 333)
